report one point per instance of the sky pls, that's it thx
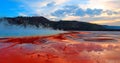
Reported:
(104, 12)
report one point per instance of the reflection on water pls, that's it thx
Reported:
(71, 47)
(28, 32)
(7, 30)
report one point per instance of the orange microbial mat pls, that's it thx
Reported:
(69, 47)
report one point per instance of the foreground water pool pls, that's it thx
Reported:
(67, 47)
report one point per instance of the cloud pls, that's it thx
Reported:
(108, 22)
(113, 4)
(101, 4)
(50, 4)
(93, 12)
(109, 12)
(64, 11)
(22, 14)
(79, 12)
(71, 18)
(105, 20)
(57, 7)
(41, 7)
(82, 10)
(76, 11)
(59, 2)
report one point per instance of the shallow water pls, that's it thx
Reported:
(28, 32)
(7, 30)
(69, 47)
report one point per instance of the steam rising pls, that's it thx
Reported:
(7, 29)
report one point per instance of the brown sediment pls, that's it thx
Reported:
(99, 39)
(2, 38)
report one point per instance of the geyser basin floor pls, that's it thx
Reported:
(71, 47)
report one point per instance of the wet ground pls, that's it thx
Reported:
(68, 47)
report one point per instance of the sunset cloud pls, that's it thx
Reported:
(96, 11)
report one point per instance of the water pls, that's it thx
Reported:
(7, 30)
(28, 32)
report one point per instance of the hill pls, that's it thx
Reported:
(39, 21)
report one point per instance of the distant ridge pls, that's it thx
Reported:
(38, 21)
(112, 27)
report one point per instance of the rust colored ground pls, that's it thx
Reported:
(71, 47)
